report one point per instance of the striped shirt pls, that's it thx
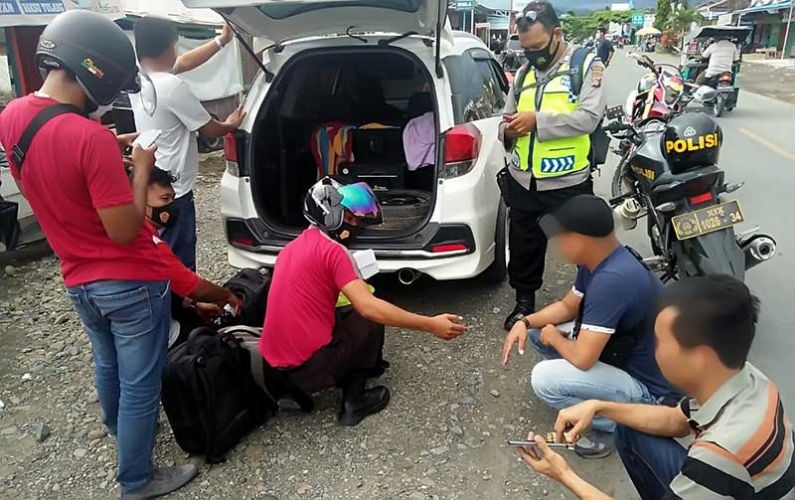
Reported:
(743, 443)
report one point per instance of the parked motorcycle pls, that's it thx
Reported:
(671, 177)
(660, 93)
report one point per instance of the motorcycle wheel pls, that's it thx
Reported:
(718, 107)
(621, 184)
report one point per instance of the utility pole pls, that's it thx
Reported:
(787, 33)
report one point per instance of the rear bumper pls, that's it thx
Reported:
(441, 268)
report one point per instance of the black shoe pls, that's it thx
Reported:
(379, 370)
(524, 307)
(369, 402)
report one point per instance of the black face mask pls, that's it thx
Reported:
(542, 59)
(166, 215)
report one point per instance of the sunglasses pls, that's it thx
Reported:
(529, 17)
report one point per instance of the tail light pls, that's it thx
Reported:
(230, 154)
(701, 198)
(461, 150)
(449, 248)
(239, 235)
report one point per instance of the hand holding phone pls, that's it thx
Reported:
(147, 139)
(524, 443)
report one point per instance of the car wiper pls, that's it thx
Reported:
(384, 43)
(236, 31)
(355, 37)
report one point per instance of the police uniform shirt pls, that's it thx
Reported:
(583, 121)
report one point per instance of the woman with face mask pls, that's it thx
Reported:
(556, 102)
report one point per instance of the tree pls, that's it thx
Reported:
(663, 15)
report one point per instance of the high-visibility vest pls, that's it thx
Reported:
(556, 157)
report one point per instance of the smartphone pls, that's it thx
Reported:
(147, 139)
(532, 444)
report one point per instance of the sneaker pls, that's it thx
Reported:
(369, 402)
(595, 444)
(524, 307)
(164, 482)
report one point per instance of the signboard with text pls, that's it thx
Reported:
(40, 12)
(637, 19)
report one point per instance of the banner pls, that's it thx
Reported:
(41, 12)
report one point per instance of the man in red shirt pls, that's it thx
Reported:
(303, 334)
(73, 176)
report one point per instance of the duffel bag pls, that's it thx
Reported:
(209, 395)
(252, 286)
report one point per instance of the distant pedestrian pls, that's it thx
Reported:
(604, 47)
(75, 180)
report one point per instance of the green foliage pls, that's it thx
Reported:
(580, 27)
(664, 13)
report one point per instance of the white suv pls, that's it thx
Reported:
(341, 75)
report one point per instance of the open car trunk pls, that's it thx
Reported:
(342, 112)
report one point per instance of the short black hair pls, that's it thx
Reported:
(161, 177)
(602, 29)
(547, 16)
(718, 311)
(153, 36)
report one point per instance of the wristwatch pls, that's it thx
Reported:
(526, 322)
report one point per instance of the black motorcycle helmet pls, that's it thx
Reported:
(93, 49)
(692, 140)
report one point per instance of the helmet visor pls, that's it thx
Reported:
(360, 200)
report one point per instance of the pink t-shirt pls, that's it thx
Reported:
(310, 273)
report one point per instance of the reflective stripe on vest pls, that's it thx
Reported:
(556, 157)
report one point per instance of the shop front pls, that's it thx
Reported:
(773, 26)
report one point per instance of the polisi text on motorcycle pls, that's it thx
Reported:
(707, 141)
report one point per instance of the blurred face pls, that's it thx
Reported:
(682, 367)
(352, 221)
(571, 247)
(158, 196)
(536, 37)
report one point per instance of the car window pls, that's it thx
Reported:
(477, 86)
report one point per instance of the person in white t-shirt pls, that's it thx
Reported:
(180, 116)
(721, 56)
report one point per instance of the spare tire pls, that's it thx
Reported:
(403, 208)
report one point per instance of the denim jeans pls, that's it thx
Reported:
(181, 237)
(560, 384)
(127, 323)
(651, 462)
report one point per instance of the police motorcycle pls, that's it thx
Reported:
(673, 179)
(725, 85)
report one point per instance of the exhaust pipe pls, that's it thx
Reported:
(758, 249)
(408, 276)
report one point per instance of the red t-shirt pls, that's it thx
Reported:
(310, 273)
(183, 281)
(72, 169)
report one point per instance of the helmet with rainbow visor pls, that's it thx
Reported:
(327, 203)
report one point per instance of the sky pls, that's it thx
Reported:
(565, 5)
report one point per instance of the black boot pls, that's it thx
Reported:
(358, 402)
(525, 305)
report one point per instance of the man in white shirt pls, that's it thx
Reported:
(721, 55)
(180, 116)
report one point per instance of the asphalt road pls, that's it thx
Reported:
(759, 150)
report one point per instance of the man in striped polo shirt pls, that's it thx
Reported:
(730, 439)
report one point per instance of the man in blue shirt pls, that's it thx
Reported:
(598, 340)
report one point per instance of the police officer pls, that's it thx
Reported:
(557, 101)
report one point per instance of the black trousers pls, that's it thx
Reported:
(526, 239)
(356, 345)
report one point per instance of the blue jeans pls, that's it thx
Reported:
(651, 462)
(560, 384)
(181, 236)
(127, 323)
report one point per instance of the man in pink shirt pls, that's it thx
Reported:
(303, 334)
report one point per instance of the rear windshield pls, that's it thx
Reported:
(288, 9)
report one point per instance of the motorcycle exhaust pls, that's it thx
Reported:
(758, 249)
(408, 276)
(628, 213)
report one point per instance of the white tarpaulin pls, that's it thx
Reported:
(221, 76)
(40, 12)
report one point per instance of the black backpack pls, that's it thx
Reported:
(600, 141)
(252, 286)
(210, 396)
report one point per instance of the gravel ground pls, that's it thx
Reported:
(443, 435)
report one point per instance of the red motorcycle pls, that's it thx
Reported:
(659, 94)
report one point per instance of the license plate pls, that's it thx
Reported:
(707, 220)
